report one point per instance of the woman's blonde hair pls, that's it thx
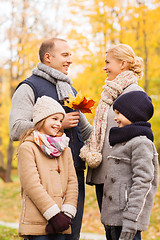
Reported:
(125, 52)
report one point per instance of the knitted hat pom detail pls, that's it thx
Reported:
(93, 159)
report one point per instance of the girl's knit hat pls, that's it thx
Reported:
(136, 106)
(44, 107)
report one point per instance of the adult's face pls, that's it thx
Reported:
(60, 57)
(112, 67)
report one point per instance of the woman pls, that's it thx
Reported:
(123, 70)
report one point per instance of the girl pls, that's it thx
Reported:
(123, 70)
(47, 175)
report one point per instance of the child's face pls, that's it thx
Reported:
(121, 119)
(112, 67)
(52, 124)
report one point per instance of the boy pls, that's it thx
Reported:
(132, 169)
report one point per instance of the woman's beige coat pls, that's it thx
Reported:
(48, 186)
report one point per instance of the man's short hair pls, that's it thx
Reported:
(48, 46)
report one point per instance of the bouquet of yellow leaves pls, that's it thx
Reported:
(80, 103)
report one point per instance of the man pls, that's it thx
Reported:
(50, 78)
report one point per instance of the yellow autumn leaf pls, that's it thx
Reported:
(80, 102)
(73, 100)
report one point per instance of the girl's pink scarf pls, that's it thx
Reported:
(51, 146)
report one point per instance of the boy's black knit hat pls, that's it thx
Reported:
(136, 106)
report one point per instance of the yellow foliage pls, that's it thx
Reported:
(131, 23)
(93, 27)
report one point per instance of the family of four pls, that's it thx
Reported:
(119, 152)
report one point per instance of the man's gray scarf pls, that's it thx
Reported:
(62, 82)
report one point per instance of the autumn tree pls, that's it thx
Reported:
(102, 19)
(131, 22)
(91, 27)
(28, 26)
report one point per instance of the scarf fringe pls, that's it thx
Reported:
(93, 159)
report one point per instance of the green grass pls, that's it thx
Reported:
(153, 231)
(8, 234)
(10, 203)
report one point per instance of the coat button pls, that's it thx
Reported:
(110, 198)
(63, 194)
(58, 170)
(113, 180)
(117, 161)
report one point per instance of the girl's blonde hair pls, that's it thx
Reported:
(30, 130)
(125, 52)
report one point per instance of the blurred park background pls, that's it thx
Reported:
(90, 26)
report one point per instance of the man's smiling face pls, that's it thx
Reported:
(60, 58)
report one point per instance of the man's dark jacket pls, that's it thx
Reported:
(43, 87)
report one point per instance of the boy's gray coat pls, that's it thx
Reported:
(130, 184)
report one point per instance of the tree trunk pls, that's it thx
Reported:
(10, 152)
(3, 174)
(1, 156)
